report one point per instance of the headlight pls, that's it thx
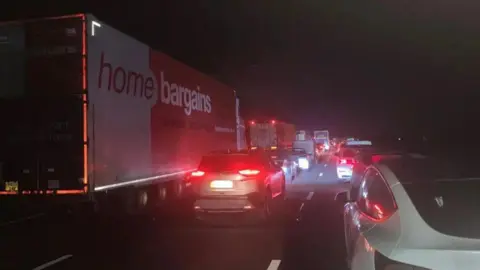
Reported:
(303, 163)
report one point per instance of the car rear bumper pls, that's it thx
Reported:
(228, 204)
(344, 172)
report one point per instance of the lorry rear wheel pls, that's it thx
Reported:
(162, 193)
(178, 189)
(142, 199)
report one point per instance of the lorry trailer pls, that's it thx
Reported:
(271, 134)
(87, 111)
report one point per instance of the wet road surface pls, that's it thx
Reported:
(314, 242)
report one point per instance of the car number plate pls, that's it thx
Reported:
(11, 186)
(221, 184)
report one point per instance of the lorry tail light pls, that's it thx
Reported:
(249, 172)
(197, 173)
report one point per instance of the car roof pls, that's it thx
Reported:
(415, 168)
(358, 143)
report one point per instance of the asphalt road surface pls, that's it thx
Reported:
(314, 242)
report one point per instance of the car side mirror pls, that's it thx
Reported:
(343, 197)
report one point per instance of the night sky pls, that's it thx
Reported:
(356, 67)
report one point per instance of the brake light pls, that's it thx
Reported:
(197, 173)
(249, 172)
(346, 161)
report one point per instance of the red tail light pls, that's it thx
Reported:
(375, 210)
(376, 158)
(249, 172)
(346, 161)
(197, 173)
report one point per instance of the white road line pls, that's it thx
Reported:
(50, 263)
(324, 165)
(274, 264)
(320, 174)
(301, 207)
(310, 195)
(21, 219)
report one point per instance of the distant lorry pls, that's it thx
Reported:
(90, 114)
(322, 137)
(271, 134)
(302, 135)
(309, 147)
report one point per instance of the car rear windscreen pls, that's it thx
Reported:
(358, 147)
(445, 193)
(299, 151)
(229, 162)
(349, 153)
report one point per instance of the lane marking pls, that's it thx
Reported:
(299, 216)
(274, 264)
(320, 174)
(310, 195)
(50, 263)
(324, 165)
(21, 219)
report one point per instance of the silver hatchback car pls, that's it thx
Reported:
(236, 183)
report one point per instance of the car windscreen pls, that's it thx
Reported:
(442, 189)
(425, 169)
(229, 162)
